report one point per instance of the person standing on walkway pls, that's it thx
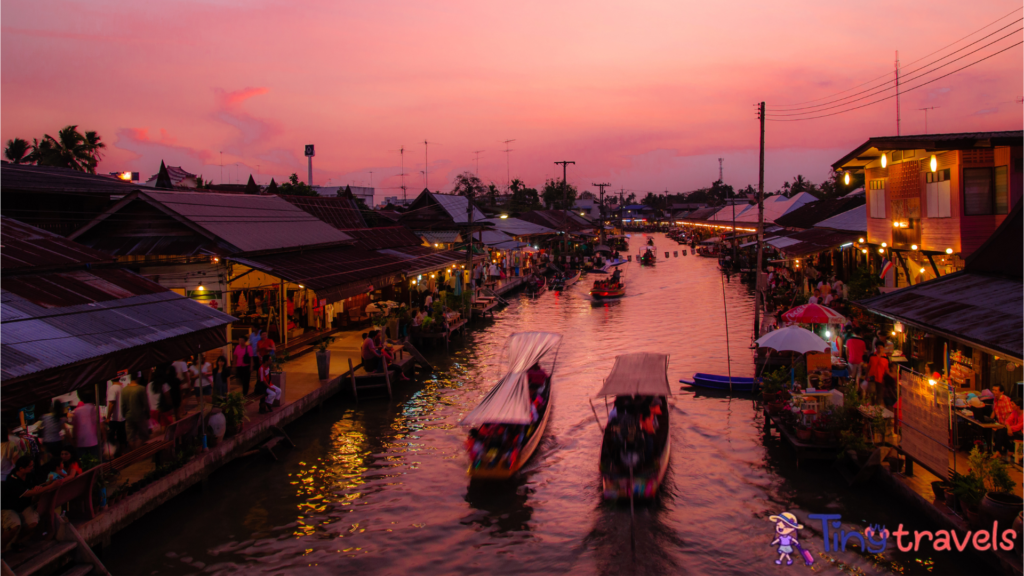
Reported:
(221, 372)
(136, 408)
(115, 417)
(202, 376)
(85, 423)
(53, 425)
(243, 363)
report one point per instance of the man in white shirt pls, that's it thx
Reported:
(202, 377)
(814, 298)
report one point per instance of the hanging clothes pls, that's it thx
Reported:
(243, 304)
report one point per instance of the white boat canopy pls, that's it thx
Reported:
(638, 374)
(509, 401)
(602, 248)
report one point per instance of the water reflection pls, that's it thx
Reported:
(381, 487)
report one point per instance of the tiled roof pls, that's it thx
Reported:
(342, 213)
(384, 237)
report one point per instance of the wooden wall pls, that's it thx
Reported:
(879, 230)
(941, 233)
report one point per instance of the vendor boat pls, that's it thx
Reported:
(509, 423)
(562, 282)
(648, 256)
(536, 286)
(636, 446)
(737, 384)
(608, 289)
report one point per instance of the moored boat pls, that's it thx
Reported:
(536, 285)
(509, 423)
(565, 281)
(714, 381)
(613, 287)
(636, 446)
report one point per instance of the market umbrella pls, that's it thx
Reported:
(814, 314)
(602, 248)
(793, 339)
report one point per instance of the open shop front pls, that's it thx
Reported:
(299, 298)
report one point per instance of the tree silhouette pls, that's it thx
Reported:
(17, 150)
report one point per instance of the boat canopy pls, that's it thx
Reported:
(509, 401)
(638, 374)
(602, 248)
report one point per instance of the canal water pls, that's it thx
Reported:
(381, 487)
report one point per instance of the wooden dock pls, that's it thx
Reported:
(804, 450)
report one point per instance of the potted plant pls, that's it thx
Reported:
(323, 357)
(939, 487)
(999, 503)
(969, 489)
(772, 385)
(803, 433)
(233, 408)
(277, 373)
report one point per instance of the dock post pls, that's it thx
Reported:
(352, 378)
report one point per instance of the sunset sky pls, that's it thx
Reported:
(643, 95)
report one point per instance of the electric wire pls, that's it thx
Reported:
(908, 63)
(891, 96)
(909, 72)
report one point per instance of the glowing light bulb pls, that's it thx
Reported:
(885, 161)
(949, 250)
(913, 246)
(864, 250)
(933, 163)
(884, 245)
(881, 251)
(861, 240)
(846, 179)
(922, 270)
(201, 287)
(895, 224)
(828, 334)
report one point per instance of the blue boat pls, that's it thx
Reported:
(739, 384)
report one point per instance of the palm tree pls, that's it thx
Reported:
(94, 145)
(17, 150)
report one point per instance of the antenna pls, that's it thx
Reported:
(401, 151)
(720, 170)
(508, 165)
(371, 178)
(426, 164)
(925, 110)
(477, 152)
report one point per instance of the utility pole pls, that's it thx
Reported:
(401, 152)
(426, 165)
(477, 152)
(760, 230)
(221, 166)
(601, 208)
(565, 200)
(469, 250)
(925, 110)
(508, 165)
(897, 92)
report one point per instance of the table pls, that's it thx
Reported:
(987, 429)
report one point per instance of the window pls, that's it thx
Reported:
(985, 191)
(876, 198)
(937, 194)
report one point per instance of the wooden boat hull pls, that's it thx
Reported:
(716, 382)
(500, 473)
(558, 286)
(608, 293)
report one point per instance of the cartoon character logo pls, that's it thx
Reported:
(787, 538)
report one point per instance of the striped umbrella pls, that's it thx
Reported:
(814, 314)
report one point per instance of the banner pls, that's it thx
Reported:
(924, 415)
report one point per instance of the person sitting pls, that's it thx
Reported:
(1009, 415)
(536, 377)
(17, 492)
(67, 466)
(369, 353)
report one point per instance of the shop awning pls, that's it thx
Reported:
(517, 227)
(333, 273)
(423, 259)
(816, 240)
(978, 309)
(440, 236)
(782, 242)
(491, 237)
(511, 245)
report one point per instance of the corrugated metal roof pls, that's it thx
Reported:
(566, 220)
(251, 223)
(810, 214)
(855, 220)
(422, 259)
(702, 214)
(342, 213)
(775, 210)
(45, 179)
(24, 246)
(491, 237)
(440, 236)
(517, 227)
(384, 237)
(37, 338)
(79, 287)
(978, 309)
(330, 272)
(456, 206)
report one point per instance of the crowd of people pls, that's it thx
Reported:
(631, 439)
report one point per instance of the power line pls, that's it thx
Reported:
(890, 87)
(905, 91)
(769, 116)
(886, 75)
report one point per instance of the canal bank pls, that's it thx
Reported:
(380, 487)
